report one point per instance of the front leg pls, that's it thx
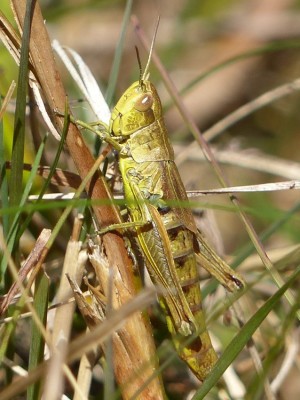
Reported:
(103, 133)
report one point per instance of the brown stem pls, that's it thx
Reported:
(105, 215)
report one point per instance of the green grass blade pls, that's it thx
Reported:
(114, 72)
(36, 355)
(118, 55)
(17, 160)
(3, 185)
(52, 170)
(256, 386)
(11, 238)
(241, 339)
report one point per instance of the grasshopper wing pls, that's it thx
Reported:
(174, 190)
(155, 246)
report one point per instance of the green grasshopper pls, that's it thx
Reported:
(169, 239)
(167, 235)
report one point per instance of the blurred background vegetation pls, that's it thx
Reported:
(262, 40)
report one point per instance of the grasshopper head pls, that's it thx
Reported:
(138, 108)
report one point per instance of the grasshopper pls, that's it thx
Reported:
(167, 235)
(169, 239)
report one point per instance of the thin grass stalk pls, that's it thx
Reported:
(3, 176)
(16, 179)
(36, 355)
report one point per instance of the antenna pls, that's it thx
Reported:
(151, 50)
(140, 64)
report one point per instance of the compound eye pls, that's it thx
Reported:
(144, 102)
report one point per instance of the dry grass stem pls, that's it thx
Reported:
(257, 161)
